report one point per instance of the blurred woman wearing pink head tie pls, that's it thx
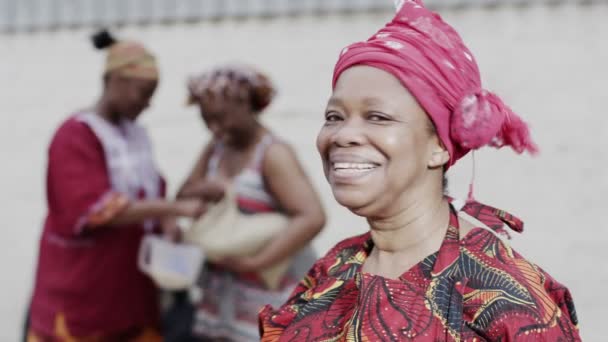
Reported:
(406, 105)
(247, 162)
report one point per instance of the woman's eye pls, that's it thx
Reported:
(377, 117)
(332, 116)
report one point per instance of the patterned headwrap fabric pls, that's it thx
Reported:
(131, 59)
(430, 59)
(238, 82)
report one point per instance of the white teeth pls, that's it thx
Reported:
(351, 171)
(354, 166)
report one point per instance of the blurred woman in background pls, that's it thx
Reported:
(267, 177)
(104, 193)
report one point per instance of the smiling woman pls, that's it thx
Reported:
(431, 268)
(366, 134)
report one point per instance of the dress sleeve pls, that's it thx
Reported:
(568, 321)
(561, 327)
(532, 307)
(320, 278)
(79, 192)
(272, 322)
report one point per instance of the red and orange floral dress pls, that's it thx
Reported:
(475, 288)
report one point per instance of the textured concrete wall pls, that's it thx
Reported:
(40, 15)
(549, 64)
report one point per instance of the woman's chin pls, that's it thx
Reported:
(355, 201)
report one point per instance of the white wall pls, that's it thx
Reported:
(548, 63)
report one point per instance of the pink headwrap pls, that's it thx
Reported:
(432, 62)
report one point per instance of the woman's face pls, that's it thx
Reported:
(129, 97)
(377, 144)
(229, 120)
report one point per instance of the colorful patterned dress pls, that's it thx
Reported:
(231, 302)
(473, 289)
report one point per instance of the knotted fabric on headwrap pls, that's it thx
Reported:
(430, 59)
(131, 59)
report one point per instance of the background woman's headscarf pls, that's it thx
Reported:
(236, 82)
(432, 62)
(128, 58)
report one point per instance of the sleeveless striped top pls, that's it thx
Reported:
(252, 194)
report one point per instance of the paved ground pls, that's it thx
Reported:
(549, 63)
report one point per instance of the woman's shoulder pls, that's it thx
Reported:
(275, 156)
(330, 278)
(503, 293)
(500, 283)
(73, 122)
(343, 255)
(275, 146)
(350, 245)
(73, 130)
(355, 243)
(486, 252)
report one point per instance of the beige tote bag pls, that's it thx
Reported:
(223, 231)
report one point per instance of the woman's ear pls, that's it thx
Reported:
(439, 155)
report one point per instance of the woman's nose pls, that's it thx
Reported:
(349, 133)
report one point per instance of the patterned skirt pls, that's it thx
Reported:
(231, 302)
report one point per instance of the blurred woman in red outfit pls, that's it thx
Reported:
(104, 193)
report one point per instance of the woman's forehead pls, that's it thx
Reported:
(359, 74)
(370, 86)
(365, 99)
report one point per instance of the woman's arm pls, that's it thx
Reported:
(192, 187)
(80, 194)
(293, 190)
(141, 210)
(198, 186)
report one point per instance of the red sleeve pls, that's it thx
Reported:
(555, 320)
(272, 323)
(78, 186)
(527, 304)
